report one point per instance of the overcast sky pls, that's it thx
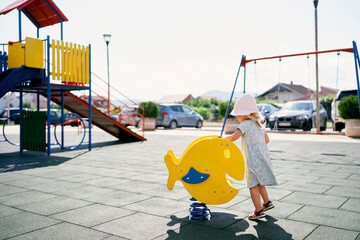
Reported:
(162, 47)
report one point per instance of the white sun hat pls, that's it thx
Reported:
(245, 105)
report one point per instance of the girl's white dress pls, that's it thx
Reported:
(259, 168)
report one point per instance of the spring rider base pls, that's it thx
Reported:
(198, 211)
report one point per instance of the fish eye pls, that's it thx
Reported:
(227, 153)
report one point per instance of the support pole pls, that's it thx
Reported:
(317, 69)
(232, 93)
(21, 109)
(357, 66)
(62, 118)
(48, 150)
(61, 26)
(20, 37)
(108, 71)
(90, 107)
(244, 79)
(37, 101)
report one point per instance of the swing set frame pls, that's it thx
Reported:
(245, 61)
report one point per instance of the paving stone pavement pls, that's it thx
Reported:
(118, 191)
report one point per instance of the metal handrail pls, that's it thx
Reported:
(117, 98)
(142, 116)
(115, 89)
(120, 110)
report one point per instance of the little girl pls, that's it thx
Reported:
(253, 140)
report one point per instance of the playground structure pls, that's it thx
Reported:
(55, 70)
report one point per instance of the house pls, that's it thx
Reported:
(14, 100)
(287, 92)
(324, 91)
(292, 92)
(176, 98)
(8, 100)
(32, 99)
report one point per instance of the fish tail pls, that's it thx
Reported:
(171, 166)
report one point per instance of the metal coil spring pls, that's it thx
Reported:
(198, 211)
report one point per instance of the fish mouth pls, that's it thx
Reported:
(230, 180)
(195, 177)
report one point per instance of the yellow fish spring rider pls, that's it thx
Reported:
(203, 170)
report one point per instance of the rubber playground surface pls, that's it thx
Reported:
(118, 191)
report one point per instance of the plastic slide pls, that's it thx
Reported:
(13, 77)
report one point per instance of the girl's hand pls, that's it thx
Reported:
(235, 136)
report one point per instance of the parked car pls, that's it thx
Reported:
(339, 123)
(112, 115)
(129, 116)
(266, 110)
(55, 114)
(72, 120)
(298, 115)
(178, 115)
(14, 113)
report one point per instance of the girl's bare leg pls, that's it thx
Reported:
(263, 193)
(255, 197)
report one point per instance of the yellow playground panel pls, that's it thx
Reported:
(34, 53)
(30, 54)
(203, 169)
(70, 62)
(16, 57)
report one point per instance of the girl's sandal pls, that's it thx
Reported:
(257, 215)
(267, 206)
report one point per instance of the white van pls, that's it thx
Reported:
(339, 123)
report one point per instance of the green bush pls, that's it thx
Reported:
(222, 109)
(151, 109)
(26, 104)
(55, 106)
(198, 103)
(215, 102)
(204, 112)
(269, 101)
(349, 107)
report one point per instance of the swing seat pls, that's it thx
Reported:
(204, 168)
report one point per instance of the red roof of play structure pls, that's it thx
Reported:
(40, 12)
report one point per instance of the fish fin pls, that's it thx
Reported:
(194, 176)
(170, 161)
(174, 159)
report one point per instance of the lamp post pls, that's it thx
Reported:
(107, 38)
(316, 2)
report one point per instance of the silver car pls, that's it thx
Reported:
(178, 115)
(129, 116)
